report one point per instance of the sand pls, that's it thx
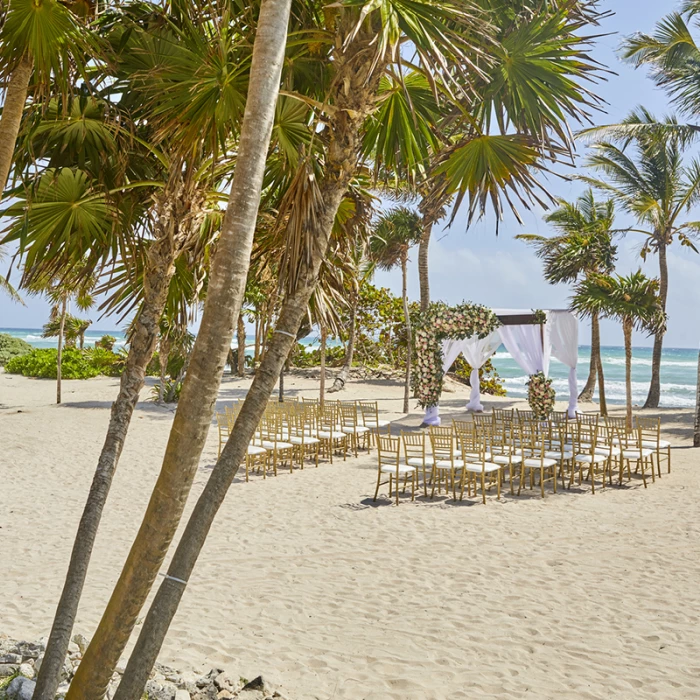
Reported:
(308, 581)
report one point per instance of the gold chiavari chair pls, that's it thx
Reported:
(270, 438)
(369, 417)
(477, 461)
(301, 436)
(446, 460)
(332, 438)
(651, 439)
(634, 451)
(417, 454)
(389, 463)
(533, 446)
(254, 454)
(348, 423)
(586, 454)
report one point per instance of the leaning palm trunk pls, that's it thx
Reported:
(587, 392)
(627, 330)
(158, 273)
(696, 431)
(354, 102)
(409, 338)
(342, 377)
(59, 355)
(15, 99)
(601, 391)
(163, 355)
(654, 394)
(228, 276)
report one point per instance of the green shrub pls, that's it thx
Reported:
(106, 362)
(489, 380)
(106, 342)
(335, 356)
(41, 363)
(171, 391)
(12, 347)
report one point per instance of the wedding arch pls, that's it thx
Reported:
(531, 337)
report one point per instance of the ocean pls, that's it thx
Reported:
(678, 368)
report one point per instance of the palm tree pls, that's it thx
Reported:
(634, 300)
(447, 40)
(583, 247)
(42, 39)
(397, 231)
(643, 170)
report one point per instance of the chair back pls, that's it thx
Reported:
(650, 429)
(388, 451)
(443, 444)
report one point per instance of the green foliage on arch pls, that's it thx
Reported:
(439, 322)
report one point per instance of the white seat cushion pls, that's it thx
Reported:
(446, 464)
(504, 459)
(486, 467)
(651, 444)
(358, 430)
(377, 424)
(255, 450)
(546, 462)
(403, 469)
(330, 434)
(558, 454)
(591, 459)
(476, 456)
(609, 450)
(418, 462)
(306, 440)
(637, 454)
(269, 445)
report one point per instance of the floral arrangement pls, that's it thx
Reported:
(540, 316)
(540, 395)
(437, 323)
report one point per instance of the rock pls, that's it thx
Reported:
(62, 690)
(27, 670)
(251, 695)
(81, 642)
(181, 694)
(160, 691)
(29, 650)
(256, 684)
(224, 682)
(10, 658)
(8, 670)
(73, 648)
(20, 689)
(224, 695)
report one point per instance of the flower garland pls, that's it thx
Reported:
(437, 323)
(540, 395)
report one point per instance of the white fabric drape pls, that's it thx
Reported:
(476, 351)
(564, 338)
(450, 352)
(525, 345)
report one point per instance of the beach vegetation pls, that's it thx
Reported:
(43, 364)
(583, 246)
(633, 300)
(641, 164)
(12, 347)
(107, 342)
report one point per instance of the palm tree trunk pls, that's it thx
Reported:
(159, 271)
(163, 354)
(281, 388)
(342, 377)
(241, 345)
(229, 272)
(409, 339)
(256, 351)
(655, 386)
(423, 273)
(354, 100)
(15, 99)
(322, 384)
(601, 390)
(627, 330)
(59, 356)
(696, 431)
(587, 392)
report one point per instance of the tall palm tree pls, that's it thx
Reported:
(644, 170)
(397, 231)
(634, 300)
(39, 39)
(583, 247)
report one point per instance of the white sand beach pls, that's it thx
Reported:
(308, 581)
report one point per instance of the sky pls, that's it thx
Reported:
(501, 272)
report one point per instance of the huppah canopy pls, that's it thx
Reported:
(531, 338)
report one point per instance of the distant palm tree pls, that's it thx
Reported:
(633, 300)
(6, 287)
(397, 231)
(583, 247)
(643, 169)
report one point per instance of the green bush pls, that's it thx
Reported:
(489, 380)
(107, 342)
(76, 364)
(12, 347)
(106, 362)
(335, 356)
